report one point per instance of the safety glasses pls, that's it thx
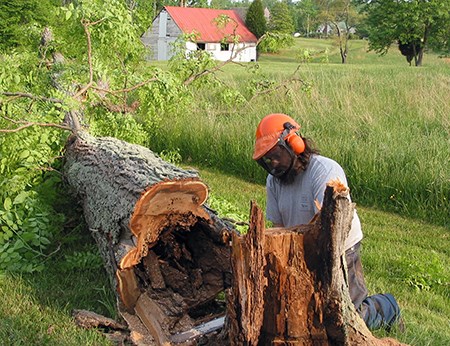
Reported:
(279, 160)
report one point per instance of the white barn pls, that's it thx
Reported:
(172, 21)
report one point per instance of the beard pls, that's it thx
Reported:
(289, 177)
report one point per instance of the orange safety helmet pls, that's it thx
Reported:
(274, 128)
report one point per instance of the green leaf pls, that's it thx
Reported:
(7, 203)
(68, 14)
(44, 241)
(27, 236)
(19, 244)
(24, 154)
(20, 198)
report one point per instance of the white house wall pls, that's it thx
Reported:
(245, 55)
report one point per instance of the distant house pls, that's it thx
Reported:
(328, 29)
(172, 22)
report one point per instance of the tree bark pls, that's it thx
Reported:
(166, 253)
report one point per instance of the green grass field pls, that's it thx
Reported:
(385, 122)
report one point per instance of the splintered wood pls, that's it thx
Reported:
(295, 280)
(274, 300)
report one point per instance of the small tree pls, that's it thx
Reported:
(343, 17)
(255, 20)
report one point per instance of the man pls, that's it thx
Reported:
(295, 189)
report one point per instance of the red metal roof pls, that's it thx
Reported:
(201, 20)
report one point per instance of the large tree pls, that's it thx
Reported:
(413, 24)
(306, 16)
(255, 19)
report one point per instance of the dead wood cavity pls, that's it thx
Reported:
(186, 273)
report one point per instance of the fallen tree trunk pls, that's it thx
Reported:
(169, 257)
(166, 253)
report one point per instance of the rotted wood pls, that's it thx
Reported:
(167, 254)
(295, 278)
(88, 319)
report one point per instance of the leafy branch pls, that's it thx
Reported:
(86, 24)
(31, 96)
(283, 84)
(26, 124)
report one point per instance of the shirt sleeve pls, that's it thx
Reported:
(272, 212)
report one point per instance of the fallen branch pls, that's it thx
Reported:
(218, 66)
(91, 69)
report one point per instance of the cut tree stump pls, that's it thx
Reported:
(290, 284)
(169, 257)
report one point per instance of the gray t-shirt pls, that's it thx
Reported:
(293, 204)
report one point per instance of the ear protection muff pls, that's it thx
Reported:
(295, 142)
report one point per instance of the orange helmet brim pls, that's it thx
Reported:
(264, 144)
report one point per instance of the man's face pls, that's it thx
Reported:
(278, 161)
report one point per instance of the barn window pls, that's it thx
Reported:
(201, 46)
(224, 46)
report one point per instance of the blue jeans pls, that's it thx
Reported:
(377, 311)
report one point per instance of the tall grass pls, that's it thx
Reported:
(385, 122)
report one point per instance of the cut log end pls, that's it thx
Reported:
(176, 267)
(162, 207)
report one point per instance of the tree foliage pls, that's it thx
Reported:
(307, 15)
(91, 66)
(255, 20)
(281, 20)
(280, 29)
(22, 21)
(417, 23)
